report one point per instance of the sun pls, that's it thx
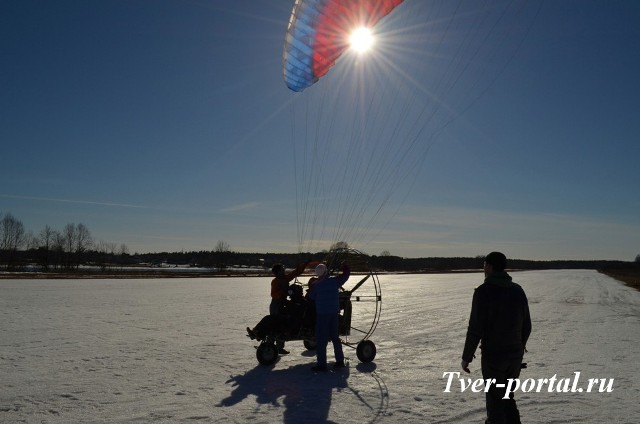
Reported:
(361, 39)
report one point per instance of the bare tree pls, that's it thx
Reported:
(12, 237)
(45, 238)
(69, 234)
(83, 240)
(221, 254)
(222, 246)
(340, 245)
(108, 252)
(57, 248)
(77, 240)
(2, 235)
(101, 250)
(123, 254)
(45, 244)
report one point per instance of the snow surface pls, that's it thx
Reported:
(175, 350)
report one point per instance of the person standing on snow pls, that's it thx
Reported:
(325, 292)
(500, 320)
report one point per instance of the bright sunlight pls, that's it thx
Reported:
(361, 39)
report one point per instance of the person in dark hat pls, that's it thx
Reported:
(500, 321)
(280, 291)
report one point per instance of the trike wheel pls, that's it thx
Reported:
(366, 351)
(267, 353)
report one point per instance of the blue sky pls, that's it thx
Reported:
(166, 125)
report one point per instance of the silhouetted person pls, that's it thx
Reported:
(288, 322)
(279, 292)
(500, 321)
(325, 292)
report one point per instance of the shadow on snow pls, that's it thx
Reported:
(305, 396)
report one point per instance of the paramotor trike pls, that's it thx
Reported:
(360, 307)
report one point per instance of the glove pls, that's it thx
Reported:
(465, 366)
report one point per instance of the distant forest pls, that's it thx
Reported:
(385, 262)
(73, 247)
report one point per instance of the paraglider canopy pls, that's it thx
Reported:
(360, 137)
(319, 32)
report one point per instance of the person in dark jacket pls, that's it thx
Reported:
(500, 321)
(280, 285)
(288, 323)
(280, 291)
(325, 292)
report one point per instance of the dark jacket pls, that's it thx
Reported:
(280, 284)
(326, 292)
(499, 318)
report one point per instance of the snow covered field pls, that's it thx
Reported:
(175, 350)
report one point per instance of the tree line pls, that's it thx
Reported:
(53, 249)
(68, 248)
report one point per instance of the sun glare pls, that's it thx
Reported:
(361, 39)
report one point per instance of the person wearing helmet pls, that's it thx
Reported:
(325, 292)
